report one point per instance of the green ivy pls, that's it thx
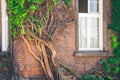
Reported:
(112, 64)
(19, 11)
(92, 77)
(67, 2)
(115, 43)
(115, 25)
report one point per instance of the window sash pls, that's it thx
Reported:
(88, 17)
(93, 15)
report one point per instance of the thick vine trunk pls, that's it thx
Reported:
(54, 19)
(44, 63)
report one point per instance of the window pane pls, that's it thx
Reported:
(83, 6)
(94, 5)
(94, 33)
(82, 32)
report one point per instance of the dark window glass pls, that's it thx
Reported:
(83, 6)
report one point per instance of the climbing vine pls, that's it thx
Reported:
(19, 11)
(22, 10)
(40, 20)
(111, 66)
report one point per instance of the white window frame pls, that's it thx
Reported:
(91, 15)
(4, 19)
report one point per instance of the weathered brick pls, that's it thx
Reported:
(65, 48)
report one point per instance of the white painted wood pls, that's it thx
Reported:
(4, 26)
(88, 32)
(88, 6)
(101, 24)
(88, 15)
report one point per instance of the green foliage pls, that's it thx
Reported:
(67, 2)
(92, 77)
(18, 12)
(115, 43)
(33, 7)
(111, 65)
(35, 1)
(1, 65)
(21, 10)
(109, 77)
(55, 1)
(115, 25)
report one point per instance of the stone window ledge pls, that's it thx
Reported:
(92, 53)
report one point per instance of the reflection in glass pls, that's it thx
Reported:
(83, 6)
(94, 5)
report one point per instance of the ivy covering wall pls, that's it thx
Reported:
(111, 66)
(39, 21)
(22, 10)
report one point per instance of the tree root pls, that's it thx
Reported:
(48, 44)
(43, 58)
(45, 64)
(69, 69)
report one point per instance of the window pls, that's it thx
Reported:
(90, 28)
(3, 26)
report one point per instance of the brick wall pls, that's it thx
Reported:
(26, 64)
(65, 45)
(65, 48)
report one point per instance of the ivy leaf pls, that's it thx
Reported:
(108, 68)
(67, 2)
(115, 44)
(36, 1)
(33, 7)
(22, 2)
(55, 1)
(116, 69)
(109, 77)
(102, 61)
(1, 65)
(14, 33)
(22, 30)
